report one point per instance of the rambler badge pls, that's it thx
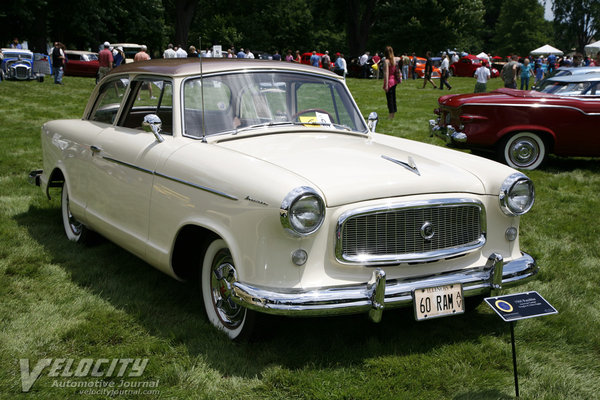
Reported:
(427, 231)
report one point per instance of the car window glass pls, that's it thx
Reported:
(150, 96)
(109, 99)
(249, 100)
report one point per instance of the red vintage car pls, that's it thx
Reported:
(467, 65)
(81, 63)
(523, 127)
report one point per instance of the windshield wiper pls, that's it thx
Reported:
(293, 123)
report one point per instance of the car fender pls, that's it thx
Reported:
(505, 132)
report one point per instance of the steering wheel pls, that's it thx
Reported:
(310, 110)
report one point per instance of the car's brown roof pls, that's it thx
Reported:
(191, 66)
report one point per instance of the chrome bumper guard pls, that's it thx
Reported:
(447, 133)
(373, 296)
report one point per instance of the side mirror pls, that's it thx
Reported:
(372, 122)
(152, 123)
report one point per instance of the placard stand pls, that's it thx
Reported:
(514, 307)
(514, 354)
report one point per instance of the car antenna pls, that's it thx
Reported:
(202, 91)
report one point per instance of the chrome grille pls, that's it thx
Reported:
(401, 234)
(21, 72)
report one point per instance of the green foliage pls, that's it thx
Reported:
(577, 22)
(436, 25)
(521, 27)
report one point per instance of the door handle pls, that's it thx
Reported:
(95, 149)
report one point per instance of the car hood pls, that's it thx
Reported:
(350, 168)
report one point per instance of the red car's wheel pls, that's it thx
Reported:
(524, 150)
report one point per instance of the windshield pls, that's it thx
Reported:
(570, 88)
(244, 101)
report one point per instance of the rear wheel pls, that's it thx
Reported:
(217, 275)
(524, 150)
(74, 229)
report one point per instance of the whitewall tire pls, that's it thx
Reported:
(524, 150)
(75, 230)
(216, 276)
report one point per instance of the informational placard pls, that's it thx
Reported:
(514, 307)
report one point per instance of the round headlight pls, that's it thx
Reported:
(302, 211)
(517, 195)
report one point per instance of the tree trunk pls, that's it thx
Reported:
(360, 18)
(183, 19)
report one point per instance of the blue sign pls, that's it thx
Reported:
(518, 306)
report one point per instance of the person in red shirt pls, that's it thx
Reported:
(105, 61)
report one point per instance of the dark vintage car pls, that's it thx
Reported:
(523, 127)
(17, 64)
(81, 63)
(467, 65)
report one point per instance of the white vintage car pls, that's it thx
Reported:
(262, 180)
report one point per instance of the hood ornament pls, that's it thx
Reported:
(410, 165)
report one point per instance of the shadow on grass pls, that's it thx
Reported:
(172, 310)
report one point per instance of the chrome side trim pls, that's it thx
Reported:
(194, 185)
(536, 105)
(128, 165)
(378, 294)
(416, 257)
(204, 188)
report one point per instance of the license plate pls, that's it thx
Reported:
(438, 301)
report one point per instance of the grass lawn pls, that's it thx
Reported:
(59, 300)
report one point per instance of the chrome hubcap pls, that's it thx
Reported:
(223, 275)
(524, 152)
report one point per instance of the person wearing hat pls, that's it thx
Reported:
(105, 61)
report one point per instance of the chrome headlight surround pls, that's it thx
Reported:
(302, 211)
(517, 195)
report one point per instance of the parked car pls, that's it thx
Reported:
(130, 50)
(261, 180)
(523, 127)
(565, 71)
(467, 65)
(420, 68)
(17, 64)
(81, 63)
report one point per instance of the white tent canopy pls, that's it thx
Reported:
(482, 55)
(546, 49)
(592, 48)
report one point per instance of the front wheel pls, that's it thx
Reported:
(217, 275)
(524, 150)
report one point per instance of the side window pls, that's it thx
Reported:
(109, 100)
(149, 96)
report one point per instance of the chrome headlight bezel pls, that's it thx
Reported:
(291, 209)
(517, 195)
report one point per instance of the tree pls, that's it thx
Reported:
(436, 25)
(521, 27)
(577, 22)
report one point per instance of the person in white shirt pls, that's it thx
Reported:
(249, 54)
(482, 74)
(169, 52)
(181, 53)
(445, 72)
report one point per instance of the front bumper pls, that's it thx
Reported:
(447, 132)
(373, 296)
